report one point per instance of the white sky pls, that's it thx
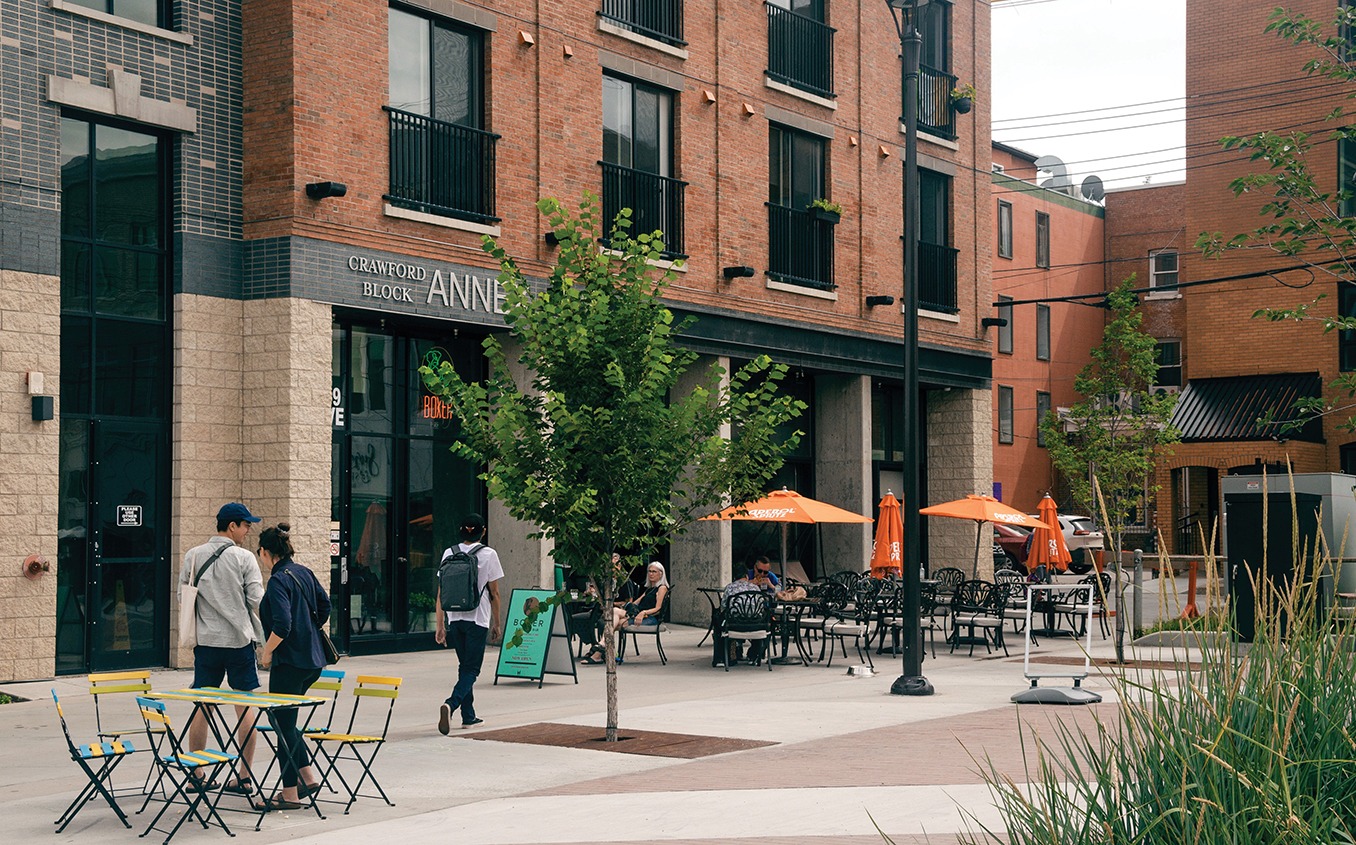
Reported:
(1085, 80)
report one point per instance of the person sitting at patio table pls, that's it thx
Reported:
(762, 576)
(643, 611)
(758, 577)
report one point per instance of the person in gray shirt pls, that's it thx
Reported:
(229, 591)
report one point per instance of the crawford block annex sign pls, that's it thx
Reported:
(417, 284)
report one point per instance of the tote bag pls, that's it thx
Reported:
(188, 603)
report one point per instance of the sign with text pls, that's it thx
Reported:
(545, 649)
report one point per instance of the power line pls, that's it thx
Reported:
(1102, 295)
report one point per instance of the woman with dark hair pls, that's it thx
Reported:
(292, 600)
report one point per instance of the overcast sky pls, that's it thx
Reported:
(1097, 83)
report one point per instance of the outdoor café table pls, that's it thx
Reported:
(713, 596)
(788, 615)
(209, 700)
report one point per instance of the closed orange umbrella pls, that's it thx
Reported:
(981, 509)
(887, 551)
(1047, 542)
(786, 506)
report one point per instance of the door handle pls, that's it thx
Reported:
(343, 569)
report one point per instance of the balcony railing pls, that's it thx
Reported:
(661, 20)
(441, 168)
(935, 115)
(937, 278)
(800, 247)
(656, 202)
(799, 51)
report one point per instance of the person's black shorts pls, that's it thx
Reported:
(211, 664)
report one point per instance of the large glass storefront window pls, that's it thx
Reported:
(398, 490)
(112, 517)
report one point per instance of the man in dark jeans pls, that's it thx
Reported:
(467, 631)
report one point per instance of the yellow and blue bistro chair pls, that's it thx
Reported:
(97, 760)
(350, 746)
(179, 767)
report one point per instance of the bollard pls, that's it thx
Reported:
(1139, 591)
(1190, 611)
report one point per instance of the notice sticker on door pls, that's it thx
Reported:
(129, 516)
(334, 550)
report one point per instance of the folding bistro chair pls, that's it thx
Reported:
(179, 767)
(104, 684)
(348, 745)
(109, 755)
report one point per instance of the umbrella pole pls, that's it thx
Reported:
(979, 533)
(782, 574)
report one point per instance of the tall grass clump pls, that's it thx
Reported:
(1251, 746)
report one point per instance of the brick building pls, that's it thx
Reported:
(218, 320)
(1048, 246)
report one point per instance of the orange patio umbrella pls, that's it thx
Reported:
(787, 506)
(981, 509)
(887, 550)
(1047, 542)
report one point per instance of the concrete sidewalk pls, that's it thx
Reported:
(845, 752)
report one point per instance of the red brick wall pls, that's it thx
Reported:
(316, 79)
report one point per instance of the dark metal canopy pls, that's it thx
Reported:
(1212, 410)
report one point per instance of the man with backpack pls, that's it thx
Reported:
(468, 614)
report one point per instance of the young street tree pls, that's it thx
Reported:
(599, 448)
(1310, 224)
(1107, 444)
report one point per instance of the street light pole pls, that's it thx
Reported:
(912, 682)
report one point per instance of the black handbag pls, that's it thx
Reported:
(326, 644)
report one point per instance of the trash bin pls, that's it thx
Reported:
(560, 577)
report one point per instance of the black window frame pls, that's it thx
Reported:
(644, 184)
(1346, 338)
(800, 239)
(164, 13)
(476, 94)
(1005, 413)
(1042, 332)
(1168, 357)
(1346, 174)
(1043, 407)
(1004, 229)
(1042, 240)
(1006, 312)
(781, 137)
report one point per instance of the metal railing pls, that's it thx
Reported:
(937, 278)
(661, 20)
(656, 202)
(441, 168)
(935, 115)
(800, 247)
(800, 51)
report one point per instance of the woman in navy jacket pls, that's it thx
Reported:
(293, 648)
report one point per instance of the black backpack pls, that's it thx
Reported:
(459, 579)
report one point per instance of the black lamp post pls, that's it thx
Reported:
(912, 682)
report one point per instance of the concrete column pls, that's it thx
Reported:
(700, 557)
(960, 462)
(843, 467)
(30, 342)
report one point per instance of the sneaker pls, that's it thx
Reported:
(444, 719)
(471, 724)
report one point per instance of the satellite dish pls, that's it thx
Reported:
(1059, 175)
(1093, 190)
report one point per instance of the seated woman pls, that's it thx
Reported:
(643, 611)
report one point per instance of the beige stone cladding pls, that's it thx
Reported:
(30, 342)
(959, 426)
(842, 428)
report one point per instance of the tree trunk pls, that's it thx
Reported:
(609, 658)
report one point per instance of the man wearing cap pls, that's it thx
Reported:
(230, 588)
(466, 631)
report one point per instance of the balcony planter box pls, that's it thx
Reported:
(823, 214)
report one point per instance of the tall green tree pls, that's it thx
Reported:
(1304, 214)
(1107, 445)
(597, 446)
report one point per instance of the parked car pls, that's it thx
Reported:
(1012, 541)
(1082, 538)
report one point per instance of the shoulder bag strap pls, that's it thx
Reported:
(305, 594)
(211, 560)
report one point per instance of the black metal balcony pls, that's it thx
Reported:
(656, 202)
(441, 168)
(937, 278)
(661, 20)
(799, 51)
(800, 247)
(935, 115)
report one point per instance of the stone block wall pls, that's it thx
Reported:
(960, 425)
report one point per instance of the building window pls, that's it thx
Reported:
(800, 242)
(638, 161)
(661, 20)
(800, 45)
(1346, 339)
(442, 159)
(1005, 312)
(1346, 177)
(149, 12)
(936, 258)
(1042, 409)
(1004, 414)
(1168, 355)
(1042, 240)
(1042, 332)
(1004, 229)
(1347, 454)
(1163, 270)
(935, 80)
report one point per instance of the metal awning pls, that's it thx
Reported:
(1211, 410)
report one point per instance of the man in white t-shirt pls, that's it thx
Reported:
(467, 631)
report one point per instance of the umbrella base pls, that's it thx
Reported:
(787, 661)
(1055, 695)
(911, 685)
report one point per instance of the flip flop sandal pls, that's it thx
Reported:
(195, 783)
(277, 804)
(244, 786)
(590, 660)
(305, 791)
